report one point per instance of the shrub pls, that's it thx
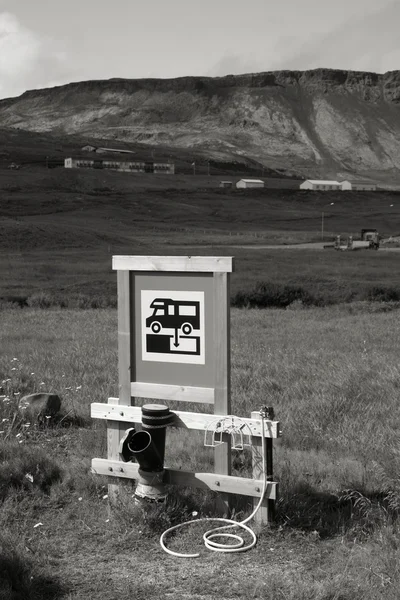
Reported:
(267, 295)
(40, 300)
(383, 294)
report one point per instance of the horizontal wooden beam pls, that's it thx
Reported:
(228, 484)
(187, 264)
(172, 392)
(186, 420)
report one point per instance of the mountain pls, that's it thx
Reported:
(322, 122)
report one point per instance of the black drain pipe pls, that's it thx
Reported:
(148, 448)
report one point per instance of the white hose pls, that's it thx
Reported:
(208, 536)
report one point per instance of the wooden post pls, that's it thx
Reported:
(266, 511)
(116, 429)
(222, 404)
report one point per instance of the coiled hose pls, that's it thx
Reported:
(208, 537)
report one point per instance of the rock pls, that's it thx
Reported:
(41, 405)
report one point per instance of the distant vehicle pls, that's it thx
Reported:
(13, 166)
(174, 314)
(369, 241)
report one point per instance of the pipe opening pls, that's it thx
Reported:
(139, 442)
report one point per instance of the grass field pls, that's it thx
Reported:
(332, 375)
(60, 228)
(328, 364)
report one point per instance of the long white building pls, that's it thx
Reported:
(118, 165)
(250, 183)
(320, 184)
(324, 184)
(358, 185)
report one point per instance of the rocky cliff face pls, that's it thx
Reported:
(321, 122)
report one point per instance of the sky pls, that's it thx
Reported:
(44, 43)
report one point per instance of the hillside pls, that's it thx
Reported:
(314, 123)
(29, 148)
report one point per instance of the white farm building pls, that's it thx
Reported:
(323, 184)
(117, 165)
(320, 184)
(358, 185)
(250, 183)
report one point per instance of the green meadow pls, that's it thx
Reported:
(332, 375)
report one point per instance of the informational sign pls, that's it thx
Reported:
(173, 326)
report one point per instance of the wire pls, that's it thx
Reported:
(208, 537)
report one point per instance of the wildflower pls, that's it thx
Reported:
(17, 393)
(107, 520)
(4, 420)
(194, 513)
(14, 369)
(48, 416)
(68, 388)
(105, 496)
(1, 431)
(42, 383)
(29, 477)
(37, 525)
(14, 359)
(22, 408)
(32, 373)
(21, 442)
(27, 425)
(79, 387)
(18, 435)
(80, 499)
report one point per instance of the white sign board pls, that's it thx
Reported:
(172, 326)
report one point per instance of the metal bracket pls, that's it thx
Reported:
(234, 426)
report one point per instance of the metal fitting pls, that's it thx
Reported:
(267, 412)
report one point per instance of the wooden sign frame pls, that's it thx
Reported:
(122, 410)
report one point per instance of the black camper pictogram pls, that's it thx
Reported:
(171, 324)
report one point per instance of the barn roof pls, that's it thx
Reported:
(323, 181)
(120, 150)
(252, 180)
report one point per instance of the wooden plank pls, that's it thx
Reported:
(184, 419)
(116, 430)
(222, 376)
(265, 513)
(172, 392)
(113, 436)
(199, 264)
(228, 484)
(125, 346)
